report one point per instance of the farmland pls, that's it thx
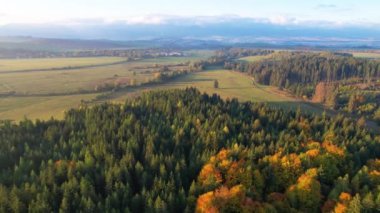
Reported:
(77, 80)
(49, 92)
(42, 88)
(7, 65)
(232, 85)
(370, 55)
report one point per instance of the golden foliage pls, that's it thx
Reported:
(229, 172)
(214, 201)
(223, 154)
(333, 149)
(340, 208)
(312, 153)
(226, 130)
(374, 173)
(345, 197)
(209, 175)
(306, 192)
(306, 181)
(205, 203)
(286, 168)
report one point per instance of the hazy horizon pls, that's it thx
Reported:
(240, 20)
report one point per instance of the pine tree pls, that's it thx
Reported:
(355, 205)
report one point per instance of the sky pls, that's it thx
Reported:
(344, 12)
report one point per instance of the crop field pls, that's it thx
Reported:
(81, 79)
(231, 85)
(7, 65)
(48, 93)
(371, 55)
(44, 90)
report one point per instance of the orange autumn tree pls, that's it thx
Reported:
(228, 177)
(339, 206)
(333, 149)
(223, 199)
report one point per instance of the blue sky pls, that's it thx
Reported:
(276, 11)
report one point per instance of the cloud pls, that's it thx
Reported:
(283, 20)
(148, 19)
(326, 6)
(173, 20)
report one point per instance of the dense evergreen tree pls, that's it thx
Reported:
(174, 151)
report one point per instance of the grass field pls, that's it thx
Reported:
(45, 94)
(76, 80)
(54, 63)
(366, 55)
(43, 108)
(231, 85)
(67, 81)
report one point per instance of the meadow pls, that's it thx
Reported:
(77, 80)
(231, 85)
(7, 65)
(371, 55)
(41, 89)
(49, 93)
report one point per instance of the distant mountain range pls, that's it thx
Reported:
(188, 32)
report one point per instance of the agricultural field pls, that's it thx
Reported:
(231, 85)
(371, 55)
(38, 88)
(7, 65)
(77, 80)
(43, 108)
(48, 93)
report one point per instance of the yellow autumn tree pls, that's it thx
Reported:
(286, 168)
(227, 175)
(306, 193)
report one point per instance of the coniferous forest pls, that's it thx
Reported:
(183, 151)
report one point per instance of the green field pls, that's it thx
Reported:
(43, 108)
(231, 85)
(79, 79)
(45, 94)
(44, 91)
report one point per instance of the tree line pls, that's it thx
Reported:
(300, 72)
